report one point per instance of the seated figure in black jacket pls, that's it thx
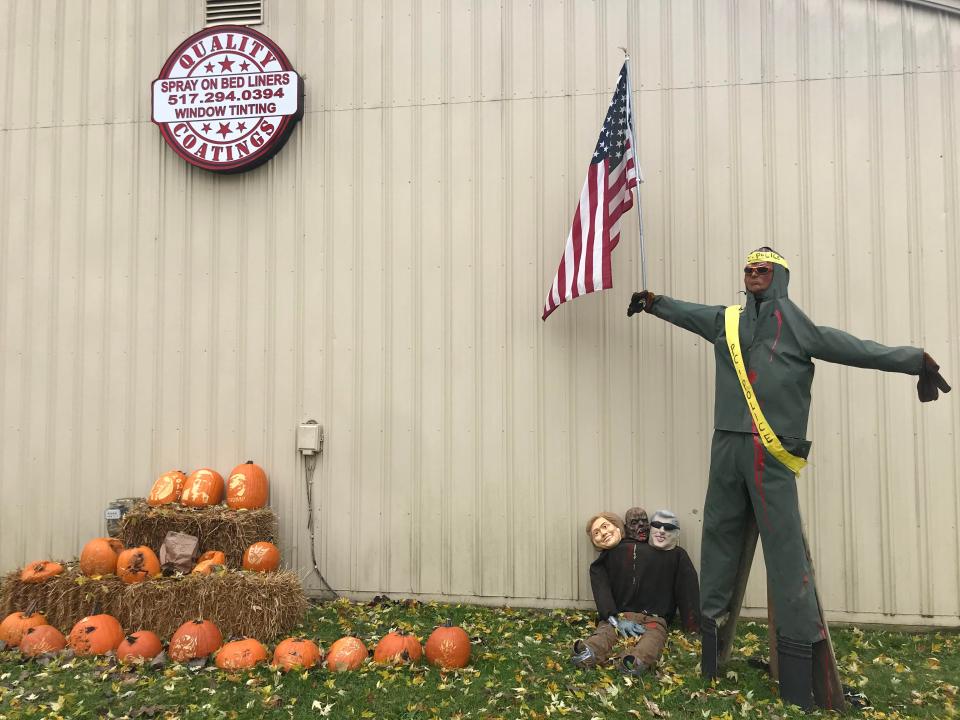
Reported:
(638, 588)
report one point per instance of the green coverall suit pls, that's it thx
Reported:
(778, 343)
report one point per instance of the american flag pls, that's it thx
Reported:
(606, 195)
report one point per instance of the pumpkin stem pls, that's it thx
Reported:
(131, 639)
(249, 462)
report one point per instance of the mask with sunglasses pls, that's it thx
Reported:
(762, 270)
(664, 530)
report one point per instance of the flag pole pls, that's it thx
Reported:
(636, 165)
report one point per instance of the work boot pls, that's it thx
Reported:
(710, 648)
(582, 656)
(796, 672)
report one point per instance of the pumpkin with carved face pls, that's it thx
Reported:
(194, 639)
(247, 487)
(167, 488)
(203, 488)
(448, 647)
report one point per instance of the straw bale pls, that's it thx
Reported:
(242, 604)
(216, 528)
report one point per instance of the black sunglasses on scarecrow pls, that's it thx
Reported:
(762, 270)
(669, 527)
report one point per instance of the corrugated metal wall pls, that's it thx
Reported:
(384, 274)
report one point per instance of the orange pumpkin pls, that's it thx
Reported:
(241, 654)
(99, 556)
(347, 653)
(204, 487)
(205, 567)
(194, 639)
(139, 646)
(215, 556)
(40, 570)
(262, 557)
(137, 564)
(42, 639)
(247, 487)
(397, 646)
(448, 647)
(96, 635)
(16, 624)
(167, 488)
(296, 654)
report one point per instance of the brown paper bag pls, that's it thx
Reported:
(178, 553)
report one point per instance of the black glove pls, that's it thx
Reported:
(640, 301)
(931, 382)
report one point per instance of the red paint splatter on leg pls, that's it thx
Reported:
(758, 465)
(779, 317)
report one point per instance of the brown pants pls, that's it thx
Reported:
(646, 648)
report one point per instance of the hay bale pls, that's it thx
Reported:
(217, 527)
(242, 604)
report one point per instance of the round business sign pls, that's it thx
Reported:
(227, 99)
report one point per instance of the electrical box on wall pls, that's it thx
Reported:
(309, 437)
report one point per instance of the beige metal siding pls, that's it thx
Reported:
(384, 275)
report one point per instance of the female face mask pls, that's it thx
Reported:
(604, 534)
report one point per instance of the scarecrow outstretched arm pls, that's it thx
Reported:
(704, 320)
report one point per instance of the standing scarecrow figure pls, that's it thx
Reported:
(764, 372)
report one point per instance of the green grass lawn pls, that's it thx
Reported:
(519, 670)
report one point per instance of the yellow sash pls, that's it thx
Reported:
(767, 436)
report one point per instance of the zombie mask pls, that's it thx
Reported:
(605, 530)
(637, 524)
(664, 530)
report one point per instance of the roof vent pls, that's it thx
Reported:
(234, 12)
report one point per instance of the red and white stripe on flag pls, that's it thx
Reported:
(606, 195)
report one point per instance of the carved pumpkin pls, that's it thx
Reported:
(14, 626)
(139, 646)
(194, 639)
(99, 556)
(42, 639)
(397, 646)
(216, 556)
(96, 635)
(137, 564)
(40, 570)
(241, 654)
(167, 488)
(204, 487)
(448, 647)
(347, 653)
(262, 557)
(296, 654)
(247, 487)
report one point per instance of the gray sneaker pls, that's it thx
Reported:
(582, 656)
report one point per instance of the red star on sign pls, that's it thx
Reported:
(208, 67)
(244, 66)
(226, 64)
(224, 129)
(206, 127)
(241, 127)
